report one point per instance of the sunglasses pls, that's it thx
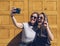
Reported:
(40, 17)
(33, 17)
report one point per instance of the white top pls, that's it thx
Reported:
(28, 34)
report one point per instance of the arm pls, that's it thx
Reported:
(50, 35)
(19, 25)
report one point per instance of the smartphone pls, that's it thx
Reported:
(17, 11)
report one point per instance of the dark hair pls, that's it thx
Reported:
(45, 16)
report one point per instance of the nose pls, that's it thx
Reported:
(32, 17)
(39, 18)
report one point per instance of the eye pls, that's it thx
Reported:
(34, 17)
(40, 17)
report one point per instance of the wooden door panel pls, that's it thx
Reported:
(50, 0)
(36, 0)
(18, 0)
(19, 5)
(58, 20)
(8, 31)
(4, 33)
(4, 19)
(50, 6)
(52, 19)
(4, 5)
(36, 6)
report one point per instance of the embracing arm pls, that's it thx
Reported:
(50, 35)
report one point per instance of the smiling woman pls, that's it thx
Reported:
(43, 33)
(28, 34)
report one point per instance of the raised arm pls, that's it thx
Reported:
(19, 25)
(50, 35)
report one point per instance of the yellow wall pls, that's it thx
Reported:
(9, 33)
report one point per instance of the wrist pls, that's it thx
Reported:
(12, 15)
(47, 27)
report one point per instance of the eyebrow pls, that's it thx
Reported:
(35, 16)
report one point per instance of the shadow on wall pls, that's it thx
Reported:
(16, 40)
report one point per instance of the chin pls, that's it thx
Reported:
(39, 23)
(32, 21)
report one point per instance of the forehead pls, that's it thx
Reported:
(41, 15)
(35, 15)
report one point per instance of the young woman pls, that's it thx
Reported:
(28, 33)
(43, 33)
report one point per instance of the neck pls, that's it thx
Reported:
(32, 23)
(39, 26)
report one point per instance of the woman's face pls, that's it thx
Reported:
(41, 18)
(34, 18)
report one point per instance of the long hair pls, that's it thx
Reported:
(42, 28)
(45, 16)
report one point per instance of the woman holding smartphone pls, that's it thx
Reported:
(28, 28)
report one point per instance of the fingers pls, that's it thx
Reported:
(45, 23)
(13, 10)
(13, 7)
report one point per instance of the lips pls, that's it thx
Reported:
(39, 21)
(33, 19)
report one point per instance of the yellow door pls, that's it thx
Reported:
(8, 31)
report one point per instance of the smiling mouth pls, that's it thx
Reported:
(39, 21)
(33, 19)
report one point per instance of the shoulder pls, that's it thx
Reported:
(25, 23)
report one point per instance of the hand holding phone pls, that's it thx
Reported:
(15, 11)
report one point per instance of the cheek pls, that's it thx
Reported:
(35, 19)
(42, 20)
